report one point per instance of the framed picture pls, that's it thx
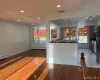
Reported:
(54, 33)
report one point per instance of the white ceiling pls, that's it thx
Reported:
(77, 22)
(10, 9)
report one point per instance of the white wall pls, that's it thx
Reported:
(14, 38)
(62, 53)
(38, 44)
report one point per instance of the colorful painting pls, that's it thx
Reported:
(42, 34)
(35, 34)
(66, 32)
(83, 33)
(54, 33)
(70, 33)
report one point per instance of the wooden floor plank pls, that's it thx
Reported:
(63, 72)
(25, 72)
(10, 61)
(6, 72)
(44, 73)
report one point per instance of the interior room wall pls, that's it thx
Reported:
(14, 38)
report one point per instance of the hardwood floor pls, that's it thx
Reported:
(63, 72)
(31, 65)
(14, 63)
(29, 53)
(6, 72)
(68, 72)
(25, 72)
(44, 73)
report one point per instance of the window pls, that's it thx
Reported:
(35, 34)
(42, 35)
(73, 33)
(70, 33)
(83, 32)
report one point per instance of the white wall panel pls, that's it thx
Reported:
(14, 38)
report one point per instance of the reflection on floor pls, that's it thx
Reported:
(90, 57)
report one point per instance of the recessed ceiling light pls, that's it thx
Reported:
(38, 18)
(32, 24)
(58, 6)
(22, 11)
(18, 20)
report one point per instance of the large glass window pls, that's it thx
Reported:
(83, 33)
(73, 33)
(70, 33)
(35, 34)
(39, 34)
(42, 35)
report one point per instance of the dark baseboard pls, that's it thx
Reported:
(37, 49)
(3, 59)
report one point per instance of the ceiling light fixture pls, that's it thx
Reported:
(38, 18)
(18, 20)
(32, 24)
(58, 6)
(22, 11)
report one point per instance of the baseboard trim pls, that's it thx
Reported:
(8, 56)
(2, 57)
(38, 49)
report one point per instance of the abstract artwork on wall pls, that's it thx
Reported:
(54, 33)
